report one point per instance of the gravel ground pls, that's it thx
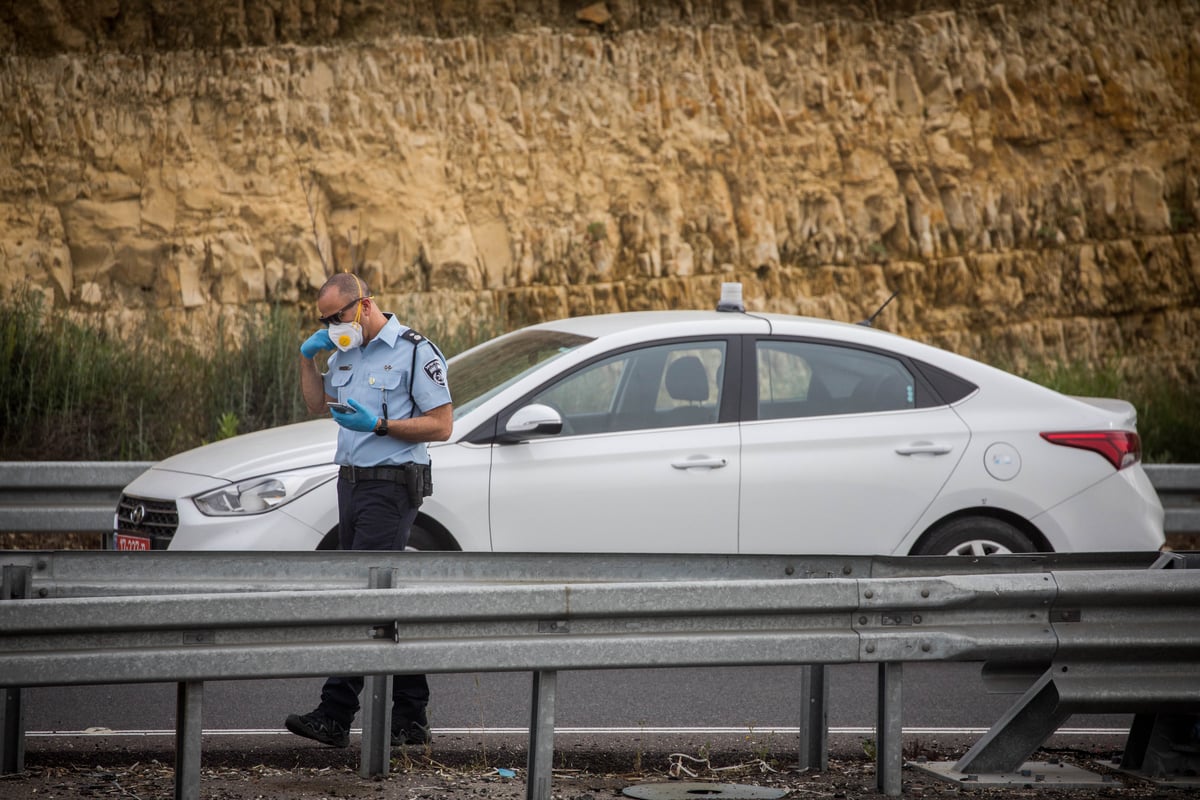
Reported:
(246, 768)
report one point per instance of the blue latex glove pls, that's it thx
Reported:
(316, 343)
(360, 420)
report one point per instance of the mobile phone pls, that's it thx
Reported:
(345, 408)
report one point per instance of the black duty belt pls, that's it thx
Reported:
(394, 473)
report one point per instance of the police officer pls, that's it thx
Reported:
(392, 382)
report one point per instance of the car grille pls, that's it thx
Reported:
(159, 519)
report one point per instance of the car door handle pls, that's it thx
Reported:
(924, 448)
(700, 461)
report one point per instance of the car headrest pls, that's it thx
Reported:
(687, 380)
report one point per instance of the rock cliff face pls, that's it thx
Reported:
(1027, 173)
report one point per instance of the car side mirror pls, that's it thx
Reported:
(533, 421)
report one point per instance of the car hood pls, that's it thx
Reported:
(303, 444)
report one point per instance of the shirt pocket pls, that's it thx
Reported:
(339, 380)
(386, 380)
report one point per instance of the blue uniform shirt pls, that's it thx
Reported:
(380, 372)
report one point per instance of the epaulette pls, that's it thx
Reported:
(416, 339)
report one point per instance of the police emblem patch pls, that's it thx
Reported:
(433, 368)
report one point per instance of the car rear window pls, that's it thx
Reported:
(809, 379)
(949, 386)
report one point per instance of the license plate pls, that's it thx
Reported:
(127, 542)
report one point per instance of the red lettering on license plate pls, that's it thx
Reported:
(126, 542)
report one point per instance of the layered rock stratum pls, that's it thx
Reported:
(1027, 174)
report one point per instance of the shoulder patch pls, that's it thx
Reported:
(433, 368)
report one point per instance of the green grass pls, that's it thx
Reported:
(72, 392)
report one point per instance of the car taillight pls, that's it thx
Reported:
(1121, 448)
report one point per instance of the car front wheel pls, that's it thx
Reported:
(419, 538)
(422, 538)
(975, 536)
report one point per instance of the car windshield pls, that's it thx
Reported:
(481, 372)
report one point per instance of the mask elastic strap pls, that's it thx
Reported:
(361, 297)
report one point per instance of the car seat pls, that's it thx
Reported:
(687, 382)
(892, 394)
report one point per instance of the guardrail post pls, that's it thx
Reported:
(377, 702)
(1161, 744)
(16, 583)
(189, 701)
(889, 730)
(1019, 732)
(814, 718)
(541, 736)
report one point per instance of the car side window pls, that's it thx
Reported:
(663, 386)
(805, 379)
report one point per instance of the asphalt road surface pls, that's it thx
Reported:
(944, 698)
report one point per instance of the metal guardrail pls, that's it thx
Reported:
(66, 496)
(91, 573)
(63, 496)
(1178, 487)
(543, 613)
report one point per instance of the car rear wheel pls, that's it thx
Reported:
(975, 536)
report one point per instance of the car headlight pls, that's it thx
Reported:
(264, 493)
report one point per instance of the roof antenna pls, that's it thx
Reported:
(871, 319)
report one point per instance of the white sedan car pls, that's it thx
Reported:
(701, 432)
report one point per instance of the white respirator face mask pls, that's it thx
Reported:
(346, 335)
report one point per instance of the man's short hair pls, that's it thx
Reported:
(347, 284)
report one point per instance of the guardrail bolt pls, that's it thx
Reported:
(925, 647)
(846, 570)
(870, 648)
(789, 570)
(916, 619)
(868, 594)
(43, 592)
(42, 564)
(924, 593)
(862, 620)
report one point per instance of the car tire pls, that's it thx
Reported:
(422, 538)
(419, 538)
(974, 536)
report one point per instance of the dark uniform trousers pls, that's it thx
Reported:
(375, 515)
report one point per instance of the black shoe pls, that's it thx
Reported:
(410, 733)
(319, 726)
